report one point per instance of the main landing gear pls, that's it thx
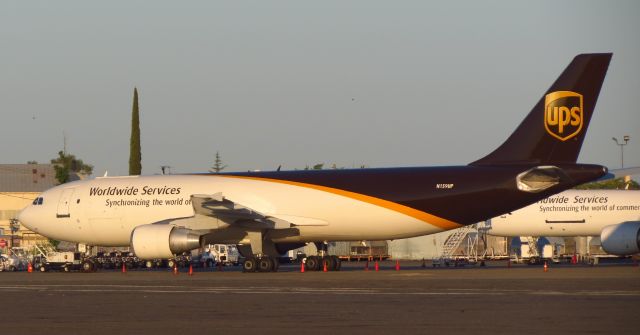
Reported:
(317, 263)
(260, 264)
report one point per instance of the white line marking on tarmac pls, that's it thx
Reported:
(168, 289)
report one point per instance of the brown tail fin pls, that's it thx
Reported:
(554, 130)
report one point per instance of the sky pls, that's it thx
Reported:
(295, 83)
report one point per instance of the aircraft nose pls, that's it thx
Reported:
(26, 218)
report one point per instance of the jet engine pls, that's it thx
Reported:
(163, 240)
(621, 239)
(540, 178)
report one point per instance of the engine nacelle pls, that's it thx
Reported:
(621, 239)
(162, 240)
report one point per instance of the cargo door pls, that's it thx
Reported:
(63, 204)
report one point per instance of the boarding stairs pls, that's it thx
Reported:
(532, 242)
(43, 249)
(452, 243)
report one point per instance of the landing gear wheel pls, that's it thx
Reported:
(276, 264)
(249, 265)
(330, 261)
(43, 268)
(171, 263)
(148, 264)
(265, 264)
(337, 263)
(88, 266)
(313, 263)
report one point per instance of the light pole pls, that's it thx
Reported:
(14, 225)
(626, 141)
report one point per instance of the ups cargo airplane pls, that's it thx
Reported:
(268, 213)
(613, 215)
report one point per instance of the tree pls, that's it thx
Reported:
(613, 184)
(318, 166)
(67, 163)
(135, 154)
(54, 243)
(218, 165)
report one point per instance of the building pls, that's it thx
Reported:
(19, 185)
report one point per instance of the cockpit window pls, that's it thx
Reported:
(38, 201)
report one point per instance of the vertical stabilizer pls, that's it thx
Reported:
(554, 130)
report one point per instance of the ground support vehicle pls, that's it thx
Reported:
(15, 260)
(226, 254)
(452, 261)
(364, 257)
(154, 263)
(180, 261)
(11, 263)
(67, 261)
(203, 260)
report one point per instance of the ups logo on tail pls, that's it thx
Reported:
(563, 114)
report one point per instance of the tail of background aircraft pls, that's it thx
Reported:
(554, 130)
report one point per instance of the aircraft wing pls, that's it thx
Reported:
(232, 213)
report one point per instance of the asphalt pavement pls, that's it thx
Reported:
(496, 299)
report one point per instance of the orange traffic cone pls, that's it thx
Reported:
(301, 267)
(29, 267)
(377, 266)
(124, 268)
(546, 267)
(397, 265)
(324, 267)
(175, 269)
(190, 270)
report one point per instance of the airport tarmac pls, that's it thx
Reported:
(480, 300)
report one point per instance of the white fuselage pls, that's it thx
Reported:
(570, 213)
(104, 211)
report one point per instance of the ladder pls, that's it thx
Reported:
(454, 240)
